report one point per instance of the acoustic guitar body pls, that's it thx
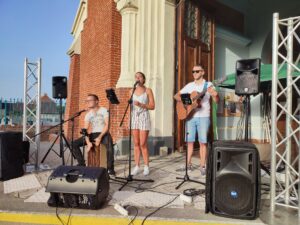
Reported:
(186, 111)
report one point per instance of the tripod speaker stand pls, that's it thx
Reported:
(61, 136)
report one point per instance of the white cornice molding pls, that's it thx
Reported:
(232, 37)
(80, 17)
(77, 27)
(75, 47)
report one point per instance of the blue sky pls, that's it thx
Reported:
(34, 29)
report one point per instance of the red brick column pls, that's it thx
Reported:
(100, 59)
(72, 105)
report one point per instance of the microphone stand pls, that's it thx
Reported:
(186, 100)
(129, 178)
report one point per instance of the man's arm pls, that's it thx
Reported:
(104, 131)
(177, 96)
(213, 93)
(185, 89)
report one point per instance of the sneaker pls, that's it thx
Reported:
(135, 171)
(190, 168)
(146, 170)
(202, 171)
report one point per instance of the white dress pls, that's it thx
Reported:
(140, 117)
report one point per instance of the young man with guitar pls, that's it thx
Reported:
(197, 114)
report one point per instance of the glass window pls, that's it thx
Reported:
(190, 19)
(205, 29)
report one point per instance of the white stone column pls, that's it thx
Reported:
(128, 11)
(156, 58)
(148, 45)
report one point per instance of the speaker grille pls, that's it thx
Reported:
(247, 80)
(234, 194)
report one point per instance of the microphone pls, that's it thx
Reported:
(78, 113)
(136, 83)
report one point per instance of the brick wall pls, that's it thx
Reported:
(99, 64)
(73, 96)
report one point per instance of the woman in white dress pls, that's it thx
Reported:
(143, 101)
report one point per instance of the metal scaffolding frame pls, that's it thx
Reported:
(285, 189)
(32, 106)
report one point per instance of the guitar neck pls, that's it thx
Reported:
(199, 95)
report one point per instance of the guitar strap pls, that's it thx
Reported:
(205, 86)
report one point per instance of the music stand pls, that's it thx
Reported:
(113, 100)
(186, 100)
(111, 96)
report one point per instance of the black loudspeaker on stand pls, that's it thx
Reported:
(78, 187)
(59, 88)
(247, 82)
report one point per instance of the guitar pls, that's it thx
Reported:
(185, 111)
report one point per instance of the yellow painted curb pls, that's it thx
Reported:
(91, 220)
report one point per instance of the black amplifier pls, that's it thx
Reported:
(78, 187)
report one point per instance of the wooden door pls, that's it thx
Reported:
(195, 45)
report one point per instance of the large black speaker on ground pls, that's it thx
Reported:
(247, 79)
(78, 187)
(233, 180)
(11, 155)
(59, 87)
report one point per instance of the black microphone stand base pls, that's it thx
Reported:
(128, 179)
(186, 178)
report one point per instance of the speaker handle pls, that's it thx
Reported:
(73, 173)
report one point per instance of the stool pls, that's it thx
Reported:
(97, 156)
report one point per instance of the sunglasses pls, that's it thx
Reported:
(90, 100)
(197, 71)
